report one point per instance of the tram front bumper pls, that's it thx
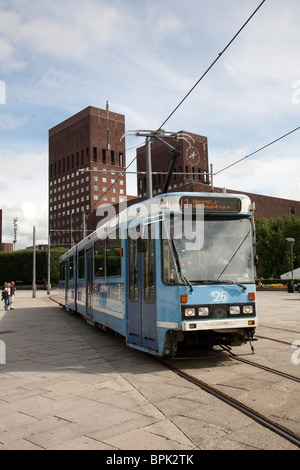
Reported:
(218, 324)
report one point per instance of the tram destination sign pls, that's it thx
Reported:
(210, 204)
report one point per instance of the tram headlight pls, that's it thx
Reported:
(203, 311)
(234, 310)
(190, 312)
(248, 309)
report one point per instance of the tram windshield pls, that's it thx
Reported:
(225, 254)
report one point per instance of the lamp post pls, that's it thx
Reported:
(15, 232)
(291, 241)
(48, 266)
(34, 267)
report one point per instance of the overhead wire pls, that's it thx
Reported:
(256, 151)
(213, 63)
(190, 91)
(120, 175)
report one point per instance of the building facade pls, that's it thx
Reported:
(86, 161)
(193, 175)
(4, 246)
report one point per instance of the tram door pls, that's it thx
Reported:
(89, 284)
(67, 283)
(142, 323)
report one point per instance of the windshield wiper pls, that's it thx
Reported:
(175, 253)
(236, 283)
(211, 281)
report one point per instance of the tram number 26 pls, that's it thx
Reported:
(219, 296)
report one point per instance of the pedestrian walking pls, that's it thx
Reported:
(12, 295)
(6, 296)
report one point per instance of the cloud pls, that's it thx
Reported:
(164, 74)
(27, 166)
(64, 33)
(29, 214)
(261, 174)
(8, 60)
(24, 194)
(8, 121)
(168, 25)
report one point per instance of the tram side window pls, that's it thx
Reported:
(170, 272)
(169, 269)
(113, 257)
(149, 272)
(133, 271)
(71, 269)
(99, 250)
(62, 272)
(81, 268)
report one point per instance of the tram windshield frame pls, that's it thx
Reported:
(225, 255)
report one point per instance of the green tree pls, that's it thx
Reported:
(273, 250)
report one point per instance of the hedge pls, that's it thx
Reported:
(272, 281)
(18, 266)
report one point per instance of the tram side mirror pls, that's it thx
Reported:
(141, 245)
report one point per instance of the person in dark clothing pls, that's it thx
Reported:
(6, 295)
(12, 295)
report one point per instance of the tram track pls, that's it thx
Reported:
(276, 340)
(246, 410)
(233, 356)
(279, 329)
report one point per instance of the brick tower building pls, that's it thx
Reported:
(86, 157)
(191, 164)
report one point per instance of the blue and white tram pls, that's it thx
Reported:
(169, 272)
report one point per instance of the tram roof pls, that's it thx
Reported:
(157, 204)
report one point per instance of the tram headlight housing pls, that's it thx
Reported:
(190, 312)
(234, 310)
(203, 311)
(247, 309)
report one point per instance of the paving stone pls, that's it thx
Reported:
(66, 385)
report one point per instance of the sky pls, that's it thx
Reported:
(143, 57)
